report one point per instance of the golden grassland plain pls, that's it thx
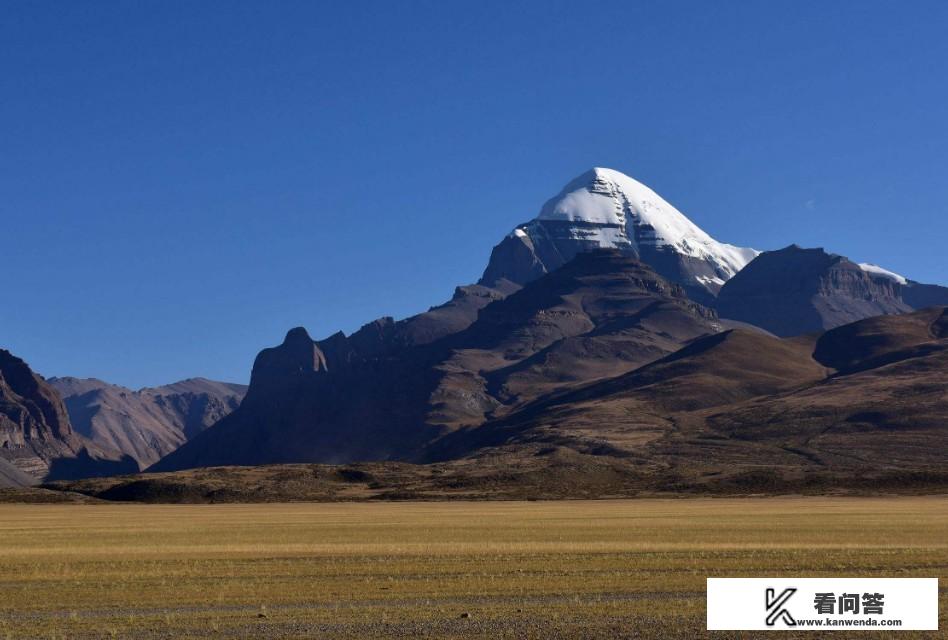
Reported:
(583, 569)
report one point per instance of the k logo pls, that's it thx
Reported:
(775, 607)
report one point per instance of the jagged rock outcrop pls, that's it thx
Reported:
(795, 291)
(297, 356)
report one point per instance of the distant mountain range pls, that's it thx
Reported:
(35, 433)
(100, 429)
(149, 423)
(609, 326)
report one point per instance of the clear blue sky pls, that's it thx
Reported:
(181, 182)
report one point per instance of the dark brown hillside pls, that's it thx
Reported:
(721, 369)
(741, 402)
(622, 414)
(876, 341)
(888, 405)
(889, 417)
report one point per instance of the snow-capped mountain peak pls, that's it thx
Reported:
(609, 197)
(604, 208)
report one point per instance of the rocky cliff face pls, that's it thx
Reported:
(33, 411)
(297, 357)
(149, 423)
(36, 435)
(794, 291)
(604, 208)
(34, 425)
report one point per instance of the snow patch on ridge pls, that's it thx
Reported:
(876, 270)
(709, 280)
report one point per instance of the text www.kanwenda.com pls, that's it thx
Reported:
(842, 622)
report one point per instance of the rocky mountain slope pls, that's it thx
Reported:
(149, 423)
(794, 291)
(858, 409)
(36, 435)
(867, 398)
(364, 397)
(604, 208)
(732, 411)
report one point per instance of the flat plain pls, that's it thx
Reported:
(570, 569)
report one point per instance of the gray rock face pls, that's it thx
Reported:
(604, 208)
(795, 291)
(10, 476)
(149, 423)
(517, 259)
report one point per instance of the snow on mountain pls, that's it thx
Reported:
(609, 197)
(604, 208)
(876, 270)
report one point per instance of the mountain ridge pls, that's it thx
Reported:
(792, 291)
(335, 402)
(148, 423)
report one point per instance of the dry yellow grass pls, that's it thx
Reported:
(519, 569)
